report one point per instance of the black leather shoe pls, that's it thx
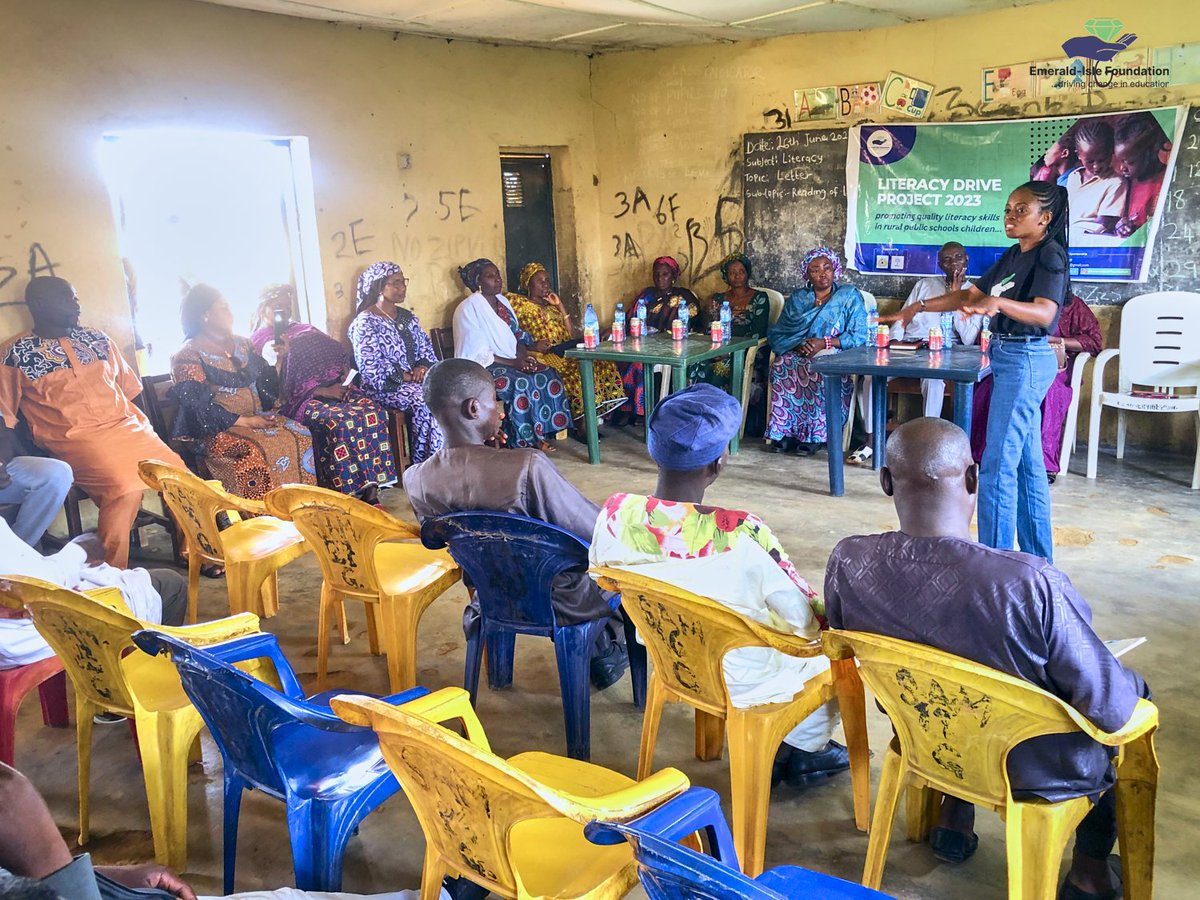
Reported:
(608, 669)
(461, 889)
(804, 767)
(1069, 891)
(952, 846)
(779, 766)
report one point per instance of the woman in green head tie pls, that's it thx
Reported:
(750, 312)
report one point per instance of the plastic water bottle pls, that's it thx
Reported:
(640, 312)
(618, 329)
(948, 328)
(872, 319)
(684, 315)
(591, 328)
(726, 321)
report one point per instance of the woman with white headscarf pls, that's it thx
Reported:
(486, 330)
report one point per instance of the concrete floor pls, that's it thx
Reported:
(1127, 540)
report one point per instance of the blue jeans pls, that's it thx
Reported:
(1014, 497)
(39, 485)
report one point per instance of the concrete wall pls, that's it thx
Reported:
(669, 122)
(75, 69)
(665, 123)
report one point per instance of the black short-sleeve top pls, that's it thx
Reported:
(1039, 272)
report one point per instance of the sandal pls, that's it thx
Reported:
(212, 570)
(861, 456)
(952, 846)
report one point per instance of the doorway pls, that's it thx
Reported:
(233, 210)
(528, 192)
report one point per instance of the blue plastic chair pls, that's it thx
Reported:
(511, 562)
(671, 871)
(330, 774)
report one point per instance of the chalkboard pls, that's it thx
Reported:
(794, 199)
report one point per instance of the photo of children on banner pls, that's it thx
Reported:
(1113, 168)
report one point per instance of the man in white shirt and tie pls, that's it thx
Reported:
(952, 260)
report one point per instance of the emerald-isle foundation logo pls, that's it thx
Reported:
(1099, 43)
(1089, 63)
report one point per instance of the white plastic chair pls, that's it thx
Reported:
(1159, 350)
(776, 300)
(862, 387)
(1070, 427)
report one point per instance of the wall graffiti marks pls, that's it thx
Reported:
(955, 107)
(38, 262)
(665, 210)
(349, 243)
(626, 247)
(465, 210)
(779, 117)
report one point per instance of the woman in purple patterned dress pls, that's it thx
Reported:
(393, 353)
(349, 430)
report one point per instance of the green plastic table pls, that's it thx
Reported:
(657, 349)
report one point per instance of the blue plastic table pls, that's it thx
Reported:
(963, 366)
(656, 349)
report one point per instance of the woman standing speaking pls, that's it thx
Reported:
(1024, 293)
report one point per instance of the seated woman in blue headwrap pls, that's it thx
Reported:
(536, 406)
(823, 315)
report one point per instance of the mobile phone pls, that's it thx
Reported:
(349, 379)
(280, 324)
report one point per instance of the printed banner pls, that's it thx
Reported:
(912, 188)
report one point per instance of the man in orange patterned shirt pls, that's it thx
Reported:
(75, 390)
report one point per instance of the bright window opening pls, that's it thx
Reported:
(233, 210)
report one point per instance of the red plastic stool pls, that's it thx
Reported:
(48, 677)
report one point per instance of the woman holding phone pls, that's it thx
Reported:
(1024, 293)
(349, 430)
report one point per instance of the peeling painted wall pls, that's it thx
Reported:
(669, 122)
(75, 69)
(651, 162)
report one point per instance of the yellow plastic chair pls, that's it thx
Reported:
(252, 549)
(512, 826)
(91, 633)
(687, 637)
(956, 722)
(367, 553)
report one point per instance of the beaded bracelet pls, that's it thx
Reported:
(828, 342)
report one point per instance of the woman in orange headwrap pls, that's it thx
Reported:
(541, 312)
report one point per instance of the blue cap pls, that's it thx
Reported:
(691, 428)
